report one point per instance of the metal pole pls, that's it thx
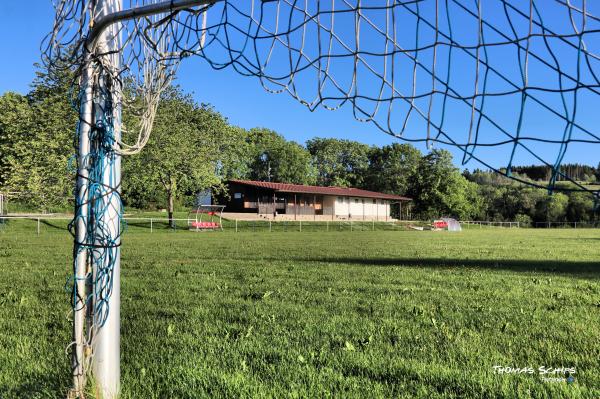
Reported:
(38, 226)
(236, 225)
(150, 225)
(327, 225)
(105, 20)
(106, 358)
(81, 221)
(106, 362)
(270, 227)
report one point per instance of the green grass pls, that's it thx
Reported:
(317, 314)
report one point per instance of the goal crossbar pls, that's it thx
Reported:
(142, 11)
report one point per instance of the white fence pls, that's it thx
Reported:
(573, 225)
(153, 224)
(487, 223)
(41, 223)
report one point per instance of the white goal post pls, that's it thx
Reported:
(98, 342)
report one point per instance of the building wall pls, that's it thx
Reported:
(241, 199)
(246, 199)
(357, 207)
(342, 207)
(329, 205)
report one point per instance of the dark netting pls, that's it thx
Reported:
(513, 81)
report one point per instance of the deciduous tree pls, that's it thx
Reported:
(339, 162)
(278, 160)
(439, 189)
(37, 137)
(392, 167)
(181, 157)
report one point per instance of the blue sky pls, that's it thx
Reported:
(245, 103)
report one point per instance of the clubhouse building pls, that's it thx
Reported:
(297, 201)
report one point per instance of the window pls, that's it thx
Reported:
(356, 200)
(237, 195)
(374, 201)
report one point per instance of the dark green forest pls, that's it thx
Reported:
(193, 148)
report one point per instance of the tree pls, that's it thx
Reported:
(552, 208)
(439, 189)
(16, 119)
(460, 197)
(341, 163)
(490, 195)
(392, 167)
(37, 136)
(275, 159)
(181, 157)
(580, 207)
(234, 154)
(513, 199)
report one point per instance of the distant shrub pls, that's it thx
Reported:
(524, 220)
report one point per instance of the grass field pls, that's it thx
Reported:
(318, 314)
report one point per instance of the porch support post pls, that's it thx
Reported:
(363, 203)
(349, 213)
(295, 207)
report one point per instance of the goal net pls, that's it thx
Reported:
(503, 81)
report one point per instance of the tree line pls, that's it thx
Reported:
(575, 171)
(193, 148)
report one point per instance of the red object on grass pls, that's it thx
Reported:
(205, 225)
(440, 224)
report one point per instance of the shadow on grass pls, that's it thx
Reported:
(156, 225)
(580, 268)
(39, 385)
(52, 225)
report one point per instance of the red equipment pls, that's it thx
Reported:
(206, 225)
(440, 224)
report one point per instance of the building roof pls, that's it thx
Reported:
(304, 189)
